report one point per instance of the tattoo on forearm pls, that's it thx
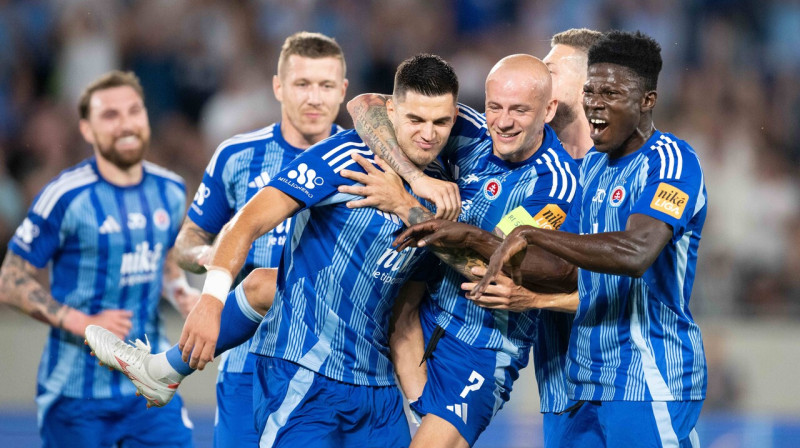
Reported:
(417, 215)
(189, 245)
(373, 125)
(461, 259)
(21, 290)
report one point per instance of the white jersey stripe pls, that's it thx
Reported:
(161, 171)
(470, 119)
(555, 177)
(655, 382)
(561, 171)
(678, 155)
(333, 151)
(351, 161)
(663, 161)
(235, 140)
(574, 183)
(66, 183)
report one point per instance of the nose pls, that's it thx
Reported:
(427, 132)
(315, 95)
(591, 101)
(504, 120)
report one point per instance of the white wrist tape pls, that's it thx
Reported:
(218, 283)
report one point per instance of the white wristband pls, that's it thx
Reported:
(218, 283)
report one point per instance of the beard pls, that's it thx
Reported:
(124, 159)
(565, 114)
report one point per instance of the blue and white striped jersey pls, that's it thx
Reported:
(339, 275)
(634, 339)
(106, 246)
(543, 186)
(240, 167)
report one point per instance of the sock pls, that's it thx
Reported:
(238, 323)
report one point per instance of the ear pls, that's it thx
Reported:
(390, 106)
(276, 88)
(345, 83)
(551, 110)
(649, 100)
(86, 131)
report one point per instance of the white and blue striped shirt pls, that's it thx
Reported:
(239, 168)
(634, 339)
(339, 275)
(544, 185)
(106, 247)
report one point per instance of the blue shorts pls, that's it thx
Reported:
(82, 423)
(645, 424)
(295, 407)
(466, 385)
(234, 425)
(555, 425)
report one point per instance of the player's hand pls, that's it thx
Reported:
(381, 189)
(510, 254)
(503, 294)
(200, 332)
(115, 321)
(436, 233)
(442, 193)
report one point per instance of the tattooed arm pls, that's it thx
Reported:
(20, 289)
(193, 247)
(374, 127)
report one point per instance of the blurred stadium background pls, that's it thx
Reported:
(730, 87)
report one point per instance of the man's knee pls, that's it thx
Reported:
(259, 288)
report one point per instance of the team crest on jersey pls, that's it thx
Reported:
(161, 219)
(492, 189)
(617, 196)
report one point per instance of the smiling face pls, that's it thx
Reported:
(117, 126)
(422, 124)
(518, 104)
(310, 91)
(618, 109)
(567, 67)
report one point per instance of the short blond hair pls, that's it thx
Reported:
(115, 78)
(579, 38)
(310, 45)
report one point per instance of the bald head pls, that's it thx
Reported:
(522, 71)
(518, 104)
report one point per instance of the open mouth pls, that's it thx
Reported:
(598, 126)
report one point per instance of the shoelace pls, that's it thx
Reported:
(134, 354)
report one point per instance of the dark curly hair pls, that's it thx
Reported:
(636, 51)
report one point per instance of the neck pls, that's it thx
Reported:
(298, 140)
(575, 137)
(121, 177)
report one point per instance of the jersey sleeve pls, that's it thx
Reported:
(547, 206)
(468, 132)
(211, 208)
(674, 190)
(38, 237)
(314, 175)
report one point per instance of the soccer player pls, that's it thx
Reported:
(636, 363)
(310, 84)
(105, 226)
(519, 171)
(323, 377)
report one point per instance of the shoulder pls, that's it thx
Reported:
(672, 157)
(66, 186)
(236, 144)
(470, 117)
(335, 150)
(163, 174)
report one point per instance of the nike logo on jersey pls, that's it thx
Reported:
(460, 410)
(110, 225)
(260, 181)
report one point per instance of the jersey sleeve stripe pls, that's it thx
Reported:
(66, 183)
(549, 163)
(333, 151)
(476, 117)
(235, 140)
(663, 161)
(349, 162)
(679, 157)
(562, 171)
(161, 171)
(573, 181)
